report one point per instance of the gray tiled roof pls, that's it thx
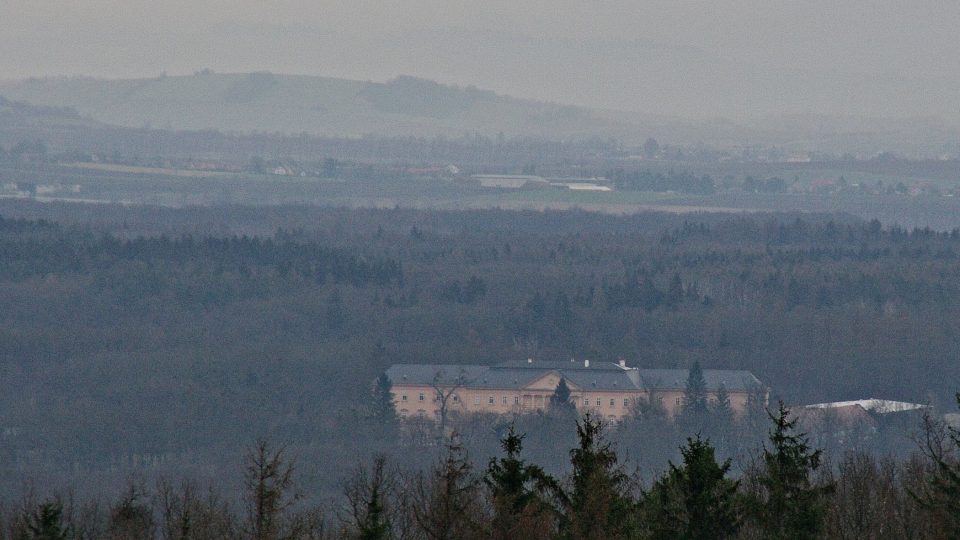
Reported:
(559, 366)
(599, 376)
(427, 373)
(676, 379)
(603, 380)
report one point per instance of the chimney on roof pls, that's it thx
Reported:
(623, 363)
(586, 363)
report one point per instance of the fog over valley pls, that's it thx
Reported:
(736, 60)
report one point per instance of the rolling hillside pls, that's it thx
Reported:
(409, 106)
(318, 105)
(58, 127)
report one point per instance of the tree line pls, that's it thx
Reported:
(785, 491)
(40, 248)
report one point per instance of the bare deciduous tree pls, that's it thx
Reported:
(446, 396)
(445, 502)
(187, 514)
(271, 499)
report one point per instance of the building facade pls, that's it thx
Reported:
(610, 390)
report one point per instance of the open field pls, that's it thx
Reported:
(178, 188)
(129, 169)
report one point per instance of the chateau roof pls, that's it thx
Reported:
(443, 374)
(676, 379)
(540, 365)
(581, 376)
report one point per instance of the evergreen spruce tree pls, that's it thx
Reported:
(45, 522)
(368, 502)
(695, 394)
(722, 406)
(598, 504)
(517, 491)
(376, 525)
(695, 501)
(560, 400)
(694, 415)
(383, 410)
(722, 422)
(790, 504)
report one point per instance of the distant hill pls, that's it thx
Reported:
(57, 126)
(318, 105)
(409, 106)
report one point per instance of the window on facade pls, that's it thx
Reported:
(491, 400)
(599, 402)
(456, 398)
(626, 402)
(421, 396)
(586, 402)
(613, 403)
(403, 398)
(516, 400)
(476, 400)
(660, 400)
(504, 400)
(678, 401)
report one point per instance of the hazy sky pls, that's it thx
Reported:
(379, 39)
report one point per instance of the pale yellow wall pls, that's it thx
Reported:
(672, 401)
(587, 401)
(406, 399)
(738, 402)
(537, 397)
(470, 400)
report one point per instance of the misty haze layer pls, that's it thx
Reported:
(730, 59)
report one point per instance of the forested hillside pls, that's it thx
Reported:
(142, 340)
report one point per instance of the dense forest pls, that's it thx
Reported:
(133, 343)
(145, 343)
